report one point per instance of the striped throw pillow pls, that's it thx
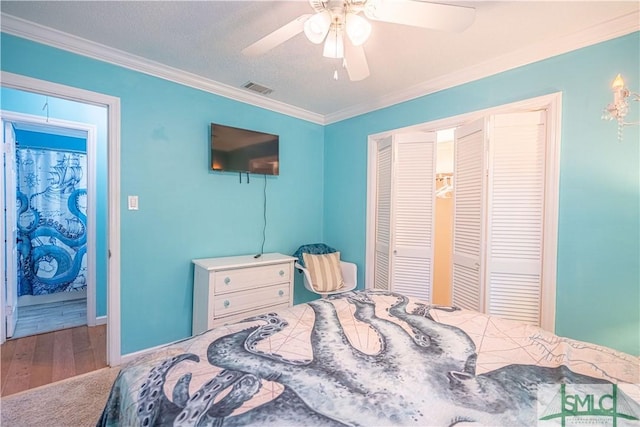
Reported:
(326, 275)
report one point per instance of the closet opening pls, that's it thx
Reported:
(443, 217)
(463, 210)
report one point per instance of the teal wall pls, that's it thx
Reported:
(598, 278)
(186, 211)
(31, 103)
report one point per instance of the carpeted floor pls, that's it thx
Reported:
(74, 402)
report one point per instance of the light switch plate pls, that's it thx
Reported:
(133, 203)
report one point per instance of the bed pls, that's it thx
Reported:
(374, 358)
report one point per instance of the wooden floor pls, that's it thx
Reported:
(45, 358)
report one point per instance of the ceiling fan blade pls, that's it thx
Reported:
(277, 37)
(356, 62)
(434, 16)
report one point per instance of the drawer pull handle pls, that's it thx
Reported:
(281, 292)
(227, 280)
(281, 272)
(226, 303)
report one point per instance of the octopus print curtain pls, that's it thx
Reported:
(52, 241)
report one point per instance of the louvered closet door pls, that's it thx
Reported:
(468, 211)
(413, 198)
(383, 214)
(515, 215)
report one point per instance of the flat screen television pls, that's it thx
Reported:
(243, 150)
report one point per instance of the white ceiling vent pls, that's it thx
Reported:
(263, 90)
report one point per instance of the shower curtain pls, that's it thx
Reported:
(52, 240)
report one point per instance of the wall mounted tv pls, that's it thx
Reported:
(243, 150)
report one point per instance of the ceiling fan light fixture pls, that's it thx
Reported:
(358, 29)
(334, 44)
(317, 27)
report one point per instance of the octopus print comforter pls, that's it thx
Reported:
(372, 358)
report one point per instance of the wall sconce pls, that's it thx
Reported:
(619, 108)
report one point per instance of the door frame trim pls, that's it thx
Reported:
(553, 104)
(91, 130)
(112, 105)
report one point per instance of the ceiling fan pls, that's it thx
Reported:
(335, 18)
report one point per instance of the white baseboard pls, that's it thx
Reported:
(126, 358)
(101, 320)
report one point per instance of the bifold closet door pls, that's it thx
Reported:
(515, 213)
(405, 200)
(413, 214)
(468, 215)
(498, 223)
(384, 158)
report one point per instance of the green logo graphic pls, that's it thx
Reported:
(583, 402)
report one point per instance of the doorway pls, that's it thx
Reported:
(51, 210)
(111, 211)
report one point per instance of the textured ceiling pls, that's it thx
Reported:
(206, 38)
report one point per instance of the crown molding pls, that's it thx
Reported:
(41, 34)
(614, 28)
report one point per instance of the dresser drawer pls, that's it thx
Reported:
(234, 318)
(226, 281)
(226, 305)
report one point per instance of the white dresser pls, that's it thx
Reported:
(229, 289)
